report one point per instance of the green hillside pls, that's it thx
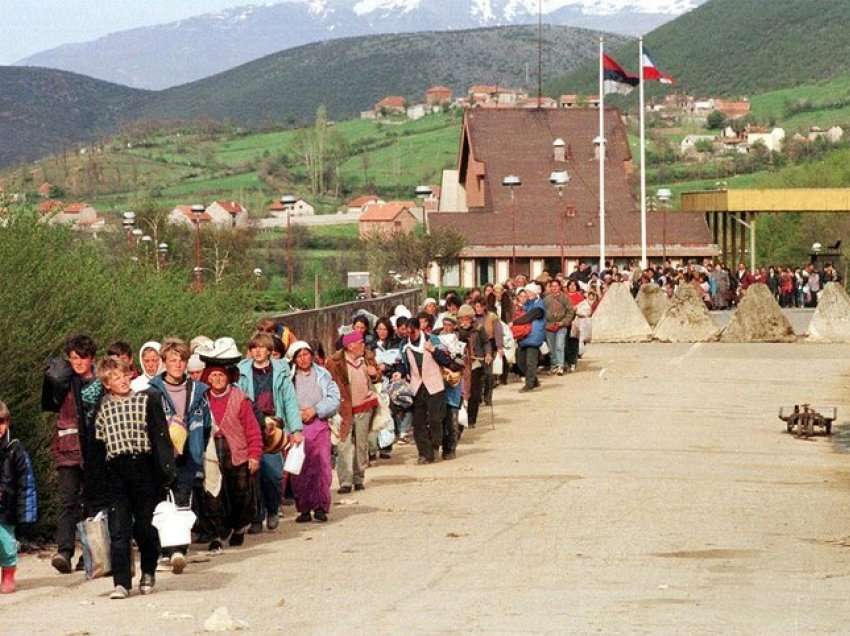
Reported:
(44, 111)
(740, 47)
(825, 103)
(190, 163)
(352, 74)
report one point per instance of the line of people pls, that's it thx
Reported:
(210, 426)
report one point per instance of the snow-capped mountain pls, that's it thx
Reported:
(179, 52)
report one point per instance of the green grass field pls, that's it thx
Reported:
(772, 105)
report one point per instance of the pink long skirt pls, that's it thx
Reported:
(312, 487)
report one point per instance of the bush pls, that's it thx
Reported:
(56, 283)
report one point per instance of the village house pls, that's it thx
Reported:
(579, 101)
(299, 208)
(688, 146)
(438, 96)
(417, 111)
(491, 96)
(733, 109)
(392, 105)
(80, 216)
(360, 204)
(833, 135)
(532, 222)
(395, 216)
(183, 215)
(45, 189)
(228, 214)
(542, 102)
(771, 139)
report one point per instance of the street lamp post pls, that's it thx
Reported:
(288, 201)
(161, 252)
(128, 222)
(510, 182)
(197, 212)
(559, 179)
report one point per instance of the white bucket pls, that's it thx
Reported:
(173, 524)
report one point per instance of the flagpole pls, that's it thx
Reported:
(602, 147)
(643, 252)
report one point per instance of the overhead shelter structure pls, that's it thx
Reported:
(728, 211)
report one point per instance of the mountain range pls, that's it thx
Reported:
(166, 55)
(44, 110)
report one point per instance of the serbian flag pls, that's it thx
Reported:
(615, 79)
(651, 72)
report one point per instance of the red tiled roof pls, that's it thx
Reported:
(383, 213)
(439, 89)
(484, 88)
(362, 200)
(75, 208)
(519, 141)
(186, 210)
(50, 205)
(393, 101)
(232, 207)
(277, 206)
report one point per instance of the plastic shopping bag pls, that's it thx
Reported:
(94, 537)
(294, 459)
(498, 365)
(173, 523)
(462, 417)
(386, 436)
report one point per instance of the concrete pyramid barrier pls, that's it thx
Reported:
(686, 319)
(831, 322)
(618, 318)
(652, 302)
(758, 319)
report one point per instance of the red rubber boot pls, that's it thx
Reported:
(7, 582)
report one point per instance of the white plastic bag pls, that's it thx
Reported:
(462, 417)
(498, 365)
(386, 436)
(94, 538)
(294, 459)
(173, 523)
(544, 349)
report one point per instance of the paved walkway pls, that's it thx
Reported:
(652, 493)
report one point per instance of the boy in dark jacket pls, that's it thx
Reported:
(72, 391)
(18, 498)
(139, 463)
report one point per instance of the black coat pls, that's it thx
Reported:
(18, 498)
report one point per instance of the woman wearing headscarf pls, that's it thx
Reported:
(151, 366)
(318, 401)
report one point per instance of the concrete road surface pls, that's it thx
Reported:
(653, 492)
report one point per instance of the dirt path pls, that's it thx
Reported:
(652, 493)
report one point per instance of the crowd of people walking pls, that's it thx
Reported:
(209, 426)
(212, 428)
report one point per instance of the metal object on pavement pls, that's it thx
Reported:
(803, 420)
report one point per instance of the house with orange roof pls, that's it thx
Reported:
(183, 215)
(361, 204)
(438, 95)
(79, 215)
(391, 105)
(299, 208)
(386, 219)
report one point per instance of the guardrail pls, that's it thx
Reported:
(322, 324)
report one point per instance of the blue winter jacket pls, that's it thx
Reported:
(197, 417)
(283, 392)
(538, 327)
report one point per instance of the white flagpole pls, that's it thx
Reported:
(602, 147)
(643, 253)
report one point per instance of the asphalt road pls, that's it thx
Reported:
(653, 492)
